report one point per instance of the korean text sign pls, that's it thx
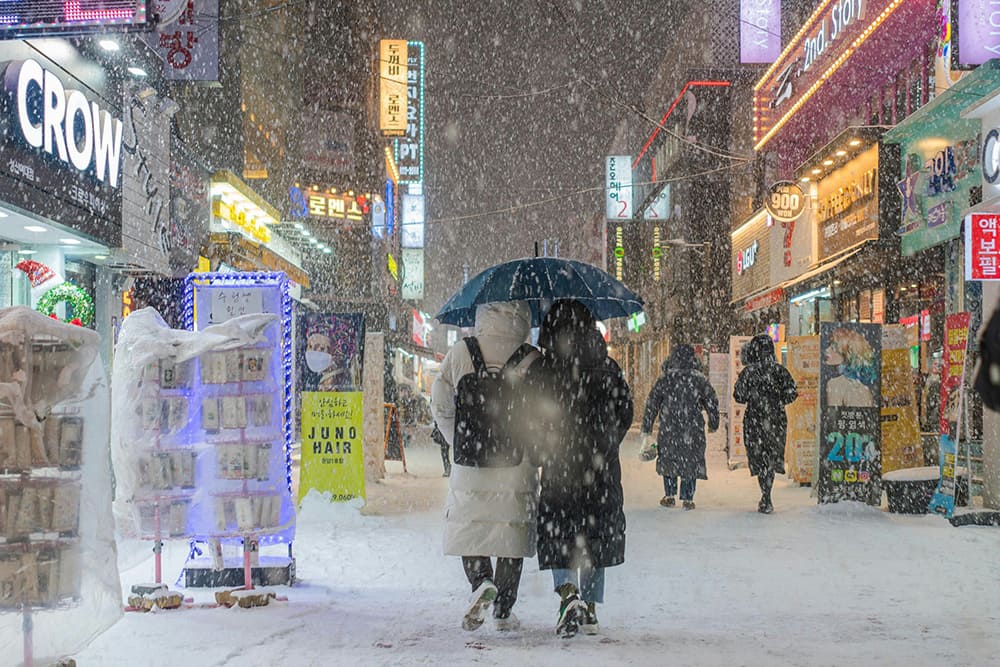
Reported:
(981, 249)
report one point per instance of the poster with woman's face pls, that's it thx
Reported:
(330, 351)
(850, 456)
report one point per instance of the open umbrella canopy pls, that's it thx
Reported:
(540, 281)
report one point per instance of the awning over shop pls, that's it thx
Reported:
(822, 268)
(244, 254)
(948, 105)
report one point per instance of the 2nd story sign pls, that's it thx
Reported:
(618, 191)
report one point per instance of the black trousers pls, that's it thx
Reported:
(766, 481)
(507, 578)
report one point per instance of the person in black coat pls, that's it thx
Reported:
(582, 411)
(766, 387)
(678, 399)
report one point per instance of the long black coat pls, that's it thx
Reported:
(765, 386)
(583, 408)
(679, 398)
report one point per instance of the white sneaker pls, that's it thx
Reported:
(507, 624)
(482, 599)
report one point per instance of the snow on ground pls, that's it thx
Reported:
(720, 585)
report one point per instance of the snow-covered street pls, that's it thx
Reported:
(720, 585)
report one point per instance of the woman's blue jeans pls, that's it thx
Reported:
(588, 580)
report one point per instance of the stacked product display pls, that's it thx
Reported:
(197, 443)
(54, 486)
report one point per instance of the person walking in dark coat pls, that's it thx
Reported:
(584, 409)
(678, 399)
(766, 387)
(438, 437)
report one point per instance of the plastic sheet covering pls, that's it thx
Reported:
(57, 549)
(197, 431)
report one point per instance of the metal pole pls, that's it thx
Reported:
(27, 627)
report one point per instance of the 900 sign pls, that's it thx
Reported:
(785, 201)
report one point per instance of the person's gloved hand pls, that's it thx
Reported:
(647, 451)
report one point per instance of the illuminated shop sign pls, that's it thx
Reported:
(820, 48)
(410, 147)
(618, 179)
(976, 32)
(619, 252)
(36, 17)
(847, 204)
(63, 122)
(392, 86)
(315, 203)
(746, 258)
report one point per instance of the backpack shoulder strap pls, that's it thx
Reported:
(520, 355)
(476, 354)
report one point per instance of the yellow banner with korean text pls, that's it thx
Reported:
(332, 457)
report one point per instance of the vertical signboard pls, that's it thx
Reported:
(330, 353)
(802, 439)
(760, 31)
(900, 426)
(975, 32)
(412, 229)
(392, 86)
(413, 273)
(410, 147)
(981, 250)
(618, 179)
(189, 46)
(956, 330)
(737, 446)
(850, 459)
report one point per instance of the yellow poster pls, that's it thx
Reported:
(900, 423)
(801, 443)
(332, 458)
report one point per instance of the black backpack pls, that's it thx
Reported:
(987, 382)
(485, 406)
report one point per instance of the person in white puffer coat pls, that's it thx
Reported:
(490, 512)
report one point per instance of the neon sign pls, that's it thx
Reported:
(31, 17)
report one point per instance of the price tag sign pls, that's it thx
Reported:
(230, 302)
(785, 201)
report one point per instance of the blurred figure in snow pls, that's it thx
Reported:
(765, 386)
(678, 399)
(583, 410)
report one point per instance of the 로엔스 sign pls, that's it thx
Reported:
(785, 201)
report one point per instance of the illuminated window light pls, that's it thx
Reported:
(817, 172)
(841, 153)
(827, 74)
(804, 179)
(855, 142)
(100, 257)
(137, 71)
(827, 163)
(109, 45)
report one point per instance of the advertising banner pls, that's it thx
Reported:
(900, 421)
(981, 250)
(410, 148)
(330, 353)
(760, 31)
(737, 447)
(332, 453)
(850, 457)
(189, 46)
(802, 439)
(956, 330)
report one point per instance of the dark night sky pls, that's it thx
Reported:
(510, 120)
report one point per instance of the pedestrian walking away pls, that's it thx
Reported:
(766, 387)
(489, 511)
(442, 442)
(582, 409)
(680, 399)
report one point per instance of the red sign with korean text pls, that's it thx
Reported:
(956, 341)
(982, 253)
